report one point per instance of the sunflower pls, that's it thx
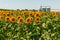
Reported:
(37, 19)
(52, 13)
(31, 13)
(28, 20)
(3, 14)
(7, 14)
(18, 17)
(11, 13)
(21, 20)
(7, 18)
(24, 13)
(57, 13)
(31, 18)
(13, 19)
(1, 17)
(37, 14)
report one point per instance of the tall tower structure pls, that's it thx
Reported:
(45, 8)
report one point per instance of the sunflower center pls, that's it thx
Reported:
(37, 18)
(13, 19)
(37, 15)
(18, 17)
(7, 18)
(28, 20)
(21, 20)
(7, 14)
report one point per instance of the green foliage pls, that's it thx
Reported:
(47, 29)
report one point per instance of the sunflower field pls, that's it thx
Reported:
(29, 25)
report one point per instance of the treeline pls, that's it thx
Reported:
(41, 9)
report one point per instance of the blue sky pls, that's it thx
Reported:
(29, 4)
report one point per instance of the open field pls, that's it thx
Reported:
(29, 25)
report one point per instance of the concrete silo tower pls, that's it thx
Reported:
(45, 8)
